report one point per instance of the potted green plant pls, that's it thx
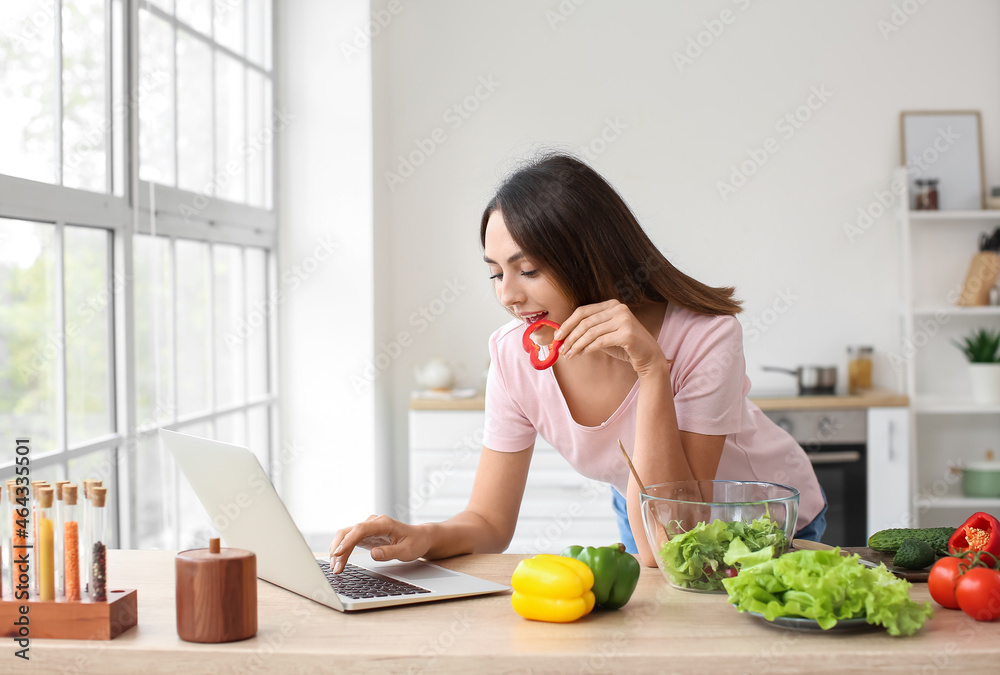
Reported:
(982, 349)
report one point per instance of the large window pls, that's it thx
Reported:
(137, 242)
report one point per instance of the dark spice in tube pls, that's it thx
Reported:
(98, 548)
(98, 573)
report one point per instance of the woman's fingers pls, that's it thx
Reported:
(608, 341)
(612, 328)
(590, 322)
(339, 553)
(581, 320)
(346, 539)
(338, 537)
(386, 538)
(405, 549)
(598, 324)
(580, 314)
(374, 540)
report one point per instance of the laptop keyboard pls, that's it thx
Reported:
(357, 583)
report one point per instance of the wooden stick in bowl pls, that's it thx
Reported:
(632, 468)
(638, 481)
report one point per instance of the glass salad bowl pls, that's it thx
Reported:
(701, 532)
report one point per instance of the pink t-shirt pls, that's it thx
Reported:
(710, 396)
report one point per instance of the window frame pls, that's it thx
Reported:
(131, 206)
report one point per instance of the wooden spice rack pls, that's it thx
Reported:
(77, 620)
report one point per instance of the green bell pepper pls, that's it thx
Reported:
(616, 572)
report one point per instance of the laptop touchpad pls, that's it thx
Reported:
(418, 571)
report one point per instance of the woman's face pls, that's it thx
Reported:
(522, 288)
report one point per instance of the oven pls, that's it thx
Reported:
(834, 441)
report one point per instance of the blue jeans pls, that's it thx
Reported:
(624, 530)
(817, 526)
(812, 531)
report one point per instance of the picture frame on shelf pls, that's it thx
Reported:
(945, 145)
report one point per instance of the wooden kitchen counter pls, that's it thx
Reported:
(477, 402)
(878, 398)
(661, 630)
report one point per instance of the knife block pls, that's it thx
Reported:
(216, 594)
(982, 276)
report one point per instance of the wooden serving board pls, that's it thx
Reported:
(866, 553)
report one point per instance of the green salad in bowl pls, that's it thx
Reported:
(706, 554)
(702, 532)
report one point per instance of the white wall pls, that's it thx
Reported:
(781, 232)
(327, 311)
(559, 82)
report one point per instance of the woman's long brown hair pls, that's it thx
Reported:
(574, 225)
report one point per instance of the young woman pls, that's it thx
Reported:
(650, 356)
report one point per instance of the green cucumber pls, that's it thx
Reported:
(889, 541)
(914, 554)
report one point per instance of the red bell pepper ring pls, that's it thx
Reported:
(532, 347)
(981, 532)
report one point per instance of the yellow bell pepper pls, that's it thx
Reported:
(552, 588)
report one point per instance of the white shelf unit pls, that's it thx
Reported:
(947, 427)
(956, 311)
(967, 502)
(951, 216)
(952, 405)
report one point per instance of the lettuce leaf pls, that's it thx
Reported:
(700, 557)
(740, 554)
(688, 556)
(827, 587)
(758, 534)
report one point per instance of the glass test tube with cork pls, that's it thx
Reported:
(18, 496)
(36, 486)
(45, 545)
(58, 525)
(98, 545)
(85, 552)
(71, 544)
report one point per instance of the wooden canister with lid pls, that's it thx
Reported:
(216, 594)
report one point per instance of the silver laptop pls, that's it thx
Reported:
(247, 512)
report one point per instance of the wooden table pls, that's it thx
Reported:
(662, 630)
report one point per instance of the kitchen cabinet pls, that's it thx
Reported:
(947, 427)
(889, 471)
(860, 449)
(559, 508)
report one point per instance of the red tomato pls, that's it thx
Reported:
(978, 593)
(942, 579)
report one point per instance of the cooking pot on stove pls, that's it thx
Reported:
(813, 380)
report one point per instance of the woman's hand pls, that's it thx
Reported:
(387, 538)
(612, 328)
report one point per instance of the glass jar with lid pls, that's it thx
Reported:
(859, 369)
(931, 198)
(920, 195)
